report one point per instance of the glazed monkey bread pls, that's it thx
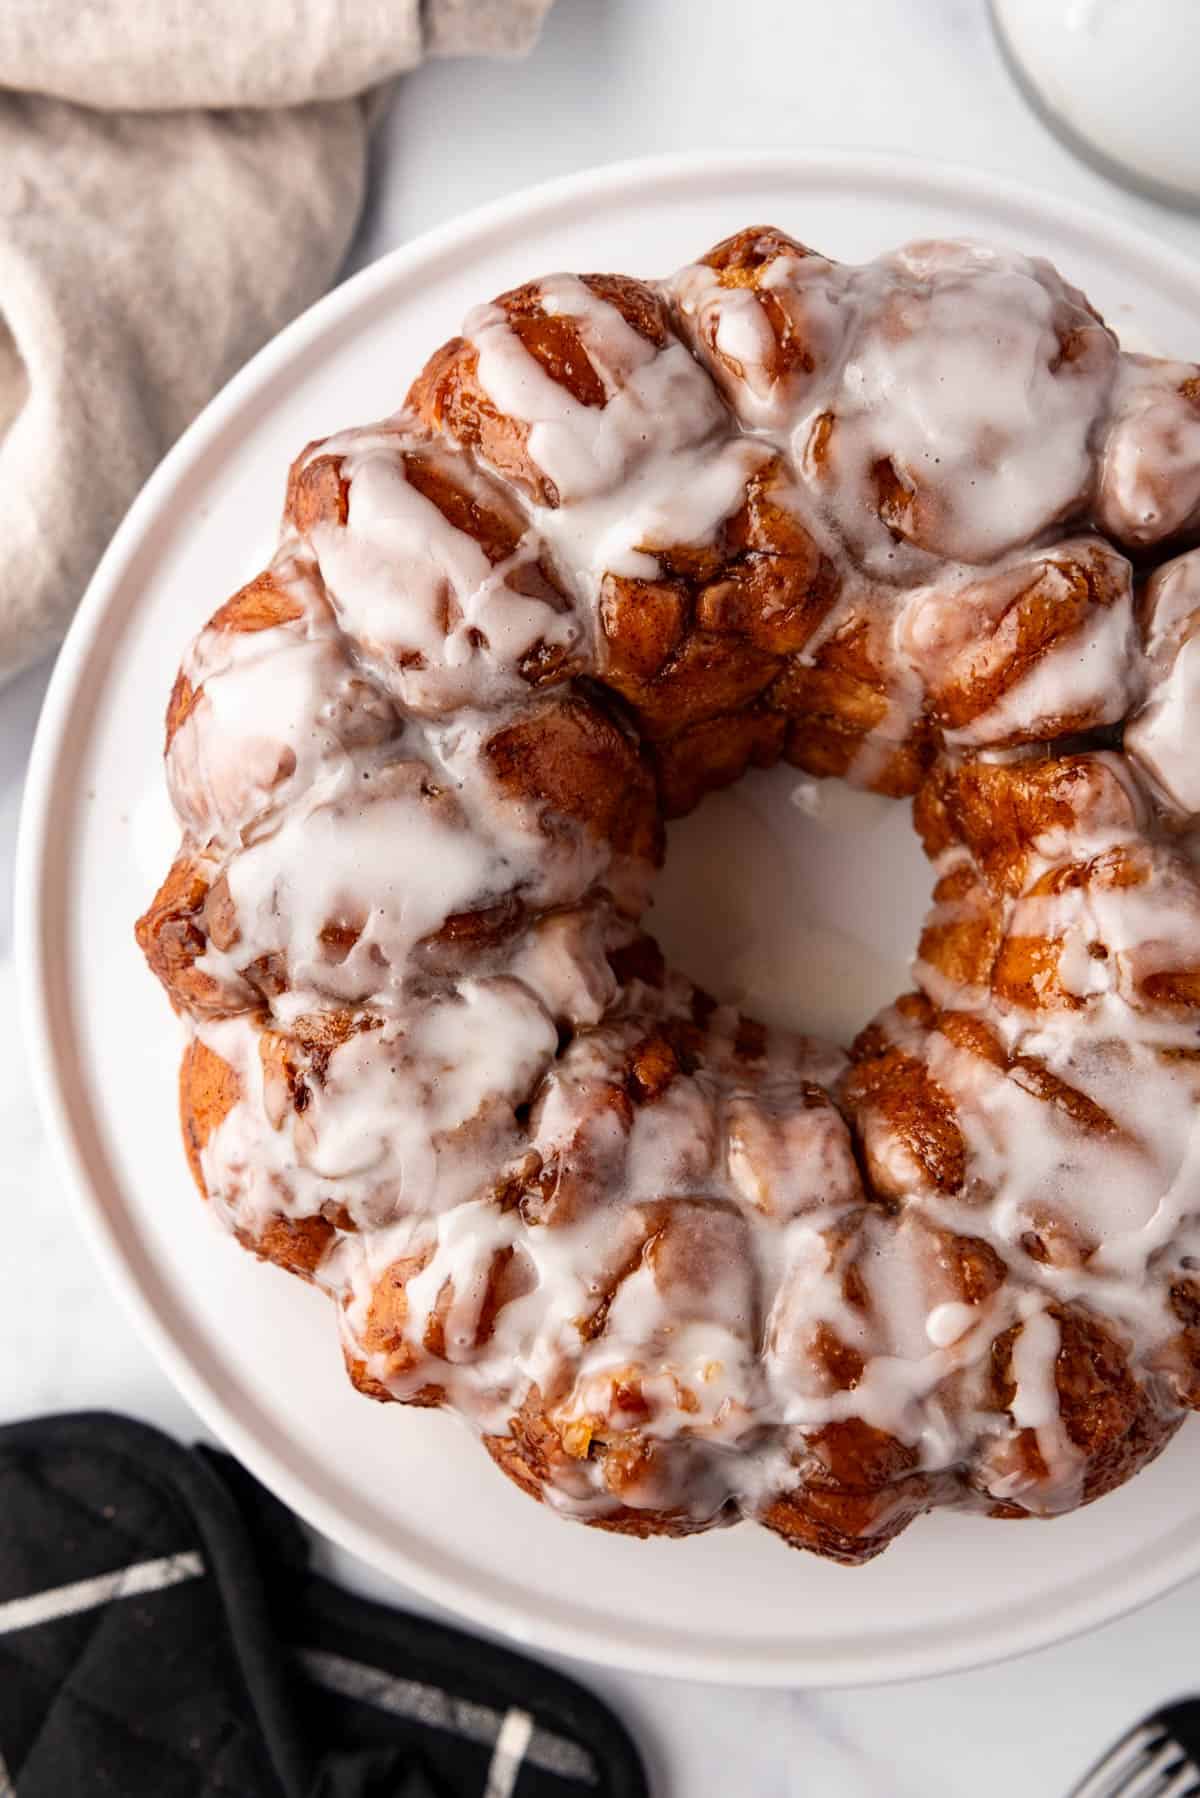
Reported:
(919, 524)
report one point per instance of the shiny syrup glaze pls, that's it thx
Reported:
(673, 1267)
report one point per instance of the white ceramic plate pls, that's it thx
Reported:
(254, 1351)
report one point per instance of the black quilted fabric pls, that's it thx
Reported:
(161, 1633)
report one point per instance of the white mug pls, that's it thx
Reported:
(1119, 78)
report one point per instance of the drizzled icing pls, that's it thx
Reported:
(1160, 737)
(1149, 486)
(673, 1266)
(473, 610)
(973, 377)
(657, 400)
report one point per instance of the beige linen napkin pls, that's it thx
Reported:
(177, 180)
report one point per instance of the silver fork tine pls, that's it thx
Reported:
(1111, 1773)
(1158, 1773)
(1186, 1784)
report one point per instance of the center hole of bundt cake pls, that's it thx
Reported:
(798, 900)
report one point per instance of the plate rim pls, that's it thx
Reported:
(1007, 1635)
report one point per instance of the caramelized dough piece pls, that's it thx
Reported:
(1149, 485)
(959, 422)
(906, 1121)
(691, 651)
(1112, 1426)
(449, 396)
(706, 676)
(262, 605)
(713, 754)
(766, 316)
(296, 1244)
(571, 756)
(173, 934)
(208, 1091)
(963, 933)
(842, 712)
(859, 1490)
(979, 647)
(1003, 811)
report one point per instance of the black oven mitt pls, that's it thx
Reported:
(161, 1634)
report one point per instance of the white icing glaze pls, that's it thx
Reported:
(273, 710)
(736, 332)
(671, 496)
(598, 1198)
(1035, 1402)
(1159, 737)
(442, 624)
(658, 401)
(973, 635)
(1149, 484)
(946, 1323)
(953, 375)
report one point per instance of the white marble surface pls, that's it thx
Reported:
(617, 78)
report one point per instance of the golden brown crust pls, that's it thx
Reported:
(297, 1245)
(890, 1093)
(999, 810)
(835, 702)
(448, 395)
(745, 261)
(713, 754)
(694, 650)
(1115, 1424)
(860, 1489)
(171, 936)
(1035, 610)
(259, 606)
(575, 759)
(208, 1091)
(962, 934)
(316, 492)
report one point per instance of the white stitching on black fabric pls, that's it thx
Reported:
(88, 1594)
(516, 1733)
(437, 1709)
